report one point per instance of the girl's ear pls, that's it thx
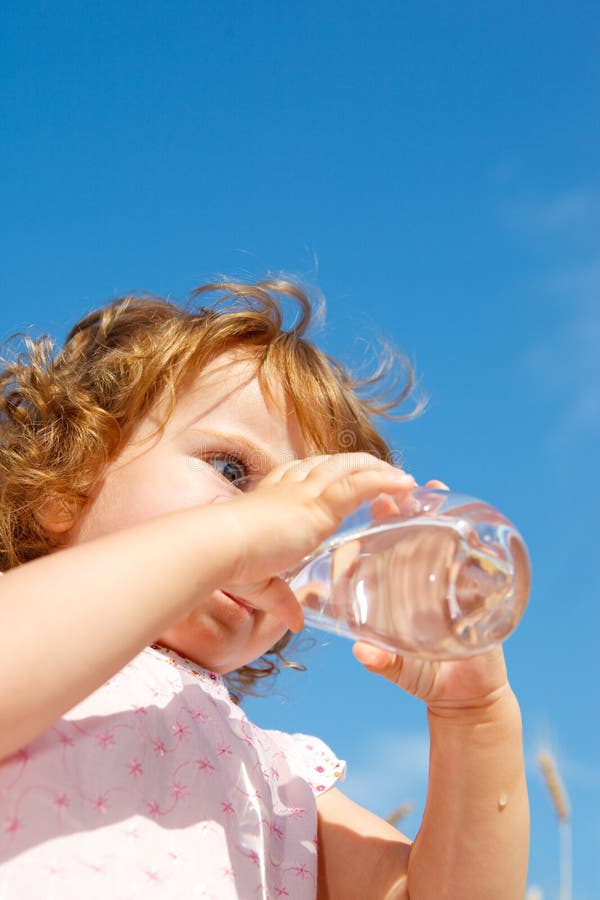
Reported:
(56, 516)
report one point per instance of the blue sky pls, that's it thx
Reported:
(433, 167)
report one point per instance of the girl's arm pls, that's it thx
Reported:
(72, 619)
(473, 840)
(475, 832)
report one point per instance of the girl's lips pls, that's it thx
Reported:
(240, 602)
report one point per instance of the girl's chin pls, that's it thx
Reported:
(216, 634)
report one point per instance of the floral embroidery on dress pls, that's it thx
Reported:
(158, 781)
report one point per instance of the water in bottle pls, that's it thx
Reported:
(436, 574)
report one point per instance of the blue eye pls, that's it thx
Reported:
(231, 468)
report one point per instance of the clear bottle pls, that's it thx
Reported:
(438, 575)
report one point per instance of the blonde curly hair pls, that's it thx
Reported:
(64, 415)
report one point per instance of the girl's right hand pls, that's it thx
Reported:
(292, 511)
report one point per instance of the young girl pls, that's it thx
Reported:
(157, 476)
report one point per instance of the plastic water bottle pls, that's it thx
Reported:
(438, 575)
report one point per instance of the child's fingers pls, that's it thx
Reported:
(275, 597)
(343, 481)
(402, 503)
(342, 465)
(322, 469)
(348, 491)
(416, 676)
(344, 560)
(375, 658)
(295, 470)
(383, 506)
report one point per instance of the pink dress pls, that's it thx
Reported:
(157, 785)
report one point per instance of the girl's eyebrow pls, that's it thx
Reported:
(257, 456)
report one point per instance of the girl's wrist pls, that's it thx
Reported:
(497, 706)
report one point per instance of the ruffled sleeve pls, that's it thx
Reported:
(312, 760)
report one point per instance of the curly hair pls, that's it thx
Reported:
(64, 415)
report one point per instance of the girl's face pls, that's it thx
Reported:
(222, 437)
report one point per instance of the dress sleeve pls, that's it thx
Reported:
(315, 762)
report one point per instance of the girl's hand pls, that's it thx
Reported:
(293, 510)
(446, 686)
(449, 687)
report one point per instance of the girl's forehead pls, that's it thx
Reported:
(230, 389)
(236, 361)
(229, 377)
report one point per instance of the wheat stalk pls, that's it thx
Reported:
(534, 893)
(560, 802)
(399, 813)
(554, 784)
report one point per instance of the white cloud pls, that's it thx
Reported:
(565, 358)
(575, 210)
(388, 771)
(567, 361)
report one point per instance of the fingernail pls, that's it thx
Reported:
(369, 655)
(407, 479)
(298, 624)
(401, 473)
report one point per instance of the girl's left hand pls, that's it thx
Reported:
(445, 685)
